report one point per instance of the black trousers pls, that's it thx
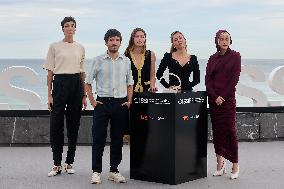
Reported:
(67, 100)
(113, 111)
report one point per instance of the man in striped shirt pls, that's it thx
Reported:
(114, 85)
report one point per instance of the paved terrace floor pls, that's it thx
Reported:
(261, 166)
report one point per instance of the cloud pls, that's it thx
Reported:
(218, 3)
(34, 24)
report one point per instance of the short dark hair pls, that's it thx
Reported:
(68, 19)
(112, 33)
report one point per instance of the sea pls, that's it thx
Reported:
(263, 65)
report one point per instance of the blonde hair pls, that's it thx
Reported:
(173, 49)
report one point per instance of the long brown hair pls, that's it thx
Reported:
(131, 41)
(173, 49)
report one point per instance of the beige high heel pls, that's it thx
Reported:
(236, 174)
(221, 171)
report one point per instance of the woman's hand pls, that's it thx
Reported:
(177, 88)
(153, 89)
(219, 100)
(49, 102)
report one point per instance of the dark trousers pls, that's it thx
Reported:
(67, 99)
(111, 110)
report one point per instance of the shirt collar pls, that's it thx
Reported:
(105, 56)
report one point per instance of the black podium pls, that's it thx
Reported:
(168, 137)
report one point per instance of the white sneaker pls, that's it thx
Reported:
(116, 177)
(69, 168)
(96, 178)
(55, 171)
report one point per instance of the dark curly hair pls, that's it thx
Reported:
(112, 33)
(68, 19)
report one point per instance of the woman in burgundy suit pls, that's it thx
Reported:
(222, 75)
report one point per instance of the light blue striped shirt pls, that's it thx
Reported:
(111, 76)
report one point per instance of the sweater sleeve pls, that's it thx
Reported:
(235, 75)
(160, 72)
(209, 82)
(196, 73)
(49, 63)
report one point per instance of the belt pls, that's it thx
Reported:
(110, 98)
(67, 75)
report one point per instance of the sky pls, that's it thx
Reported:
(28, 27)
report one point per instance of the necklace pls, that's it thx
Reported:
(138, 87)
